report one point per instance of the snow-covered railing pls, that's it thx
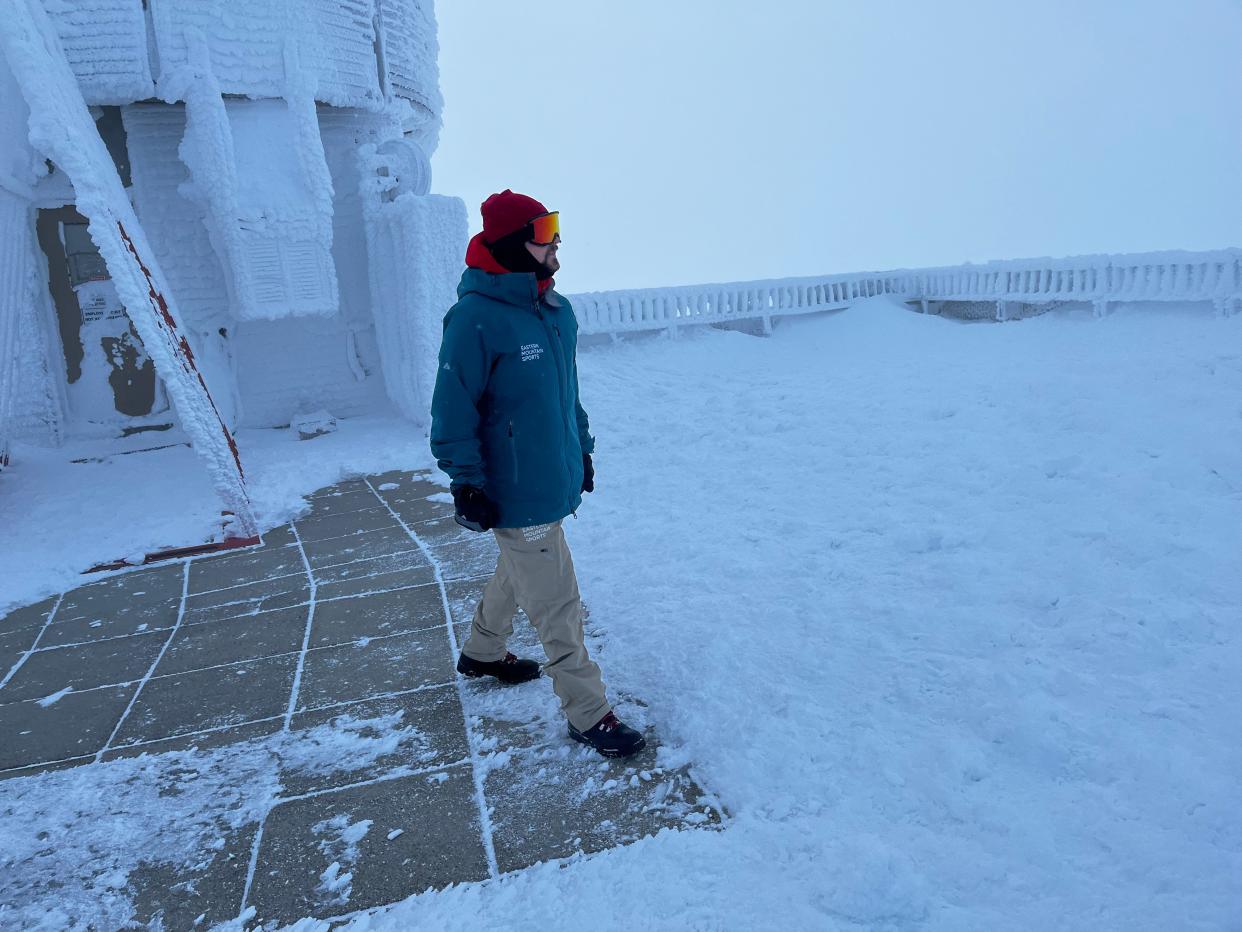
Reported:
(664, 308)
(1215, 277)
(1097, 280)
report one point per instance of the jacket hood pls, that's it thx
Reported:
(478, 256)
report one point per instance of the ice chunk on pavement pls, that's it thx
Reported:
(55, 697)
(312, 424)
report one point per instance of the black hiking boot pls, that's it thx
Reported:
(508, 670)
(610, 737)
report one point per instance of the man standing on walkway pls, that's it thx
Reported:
(508, 429)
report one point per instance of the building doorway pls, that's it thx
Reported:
(113, 387)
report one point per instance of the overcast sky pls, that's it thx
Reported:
(688, 141)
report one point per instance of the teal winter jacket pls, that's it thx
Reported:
(505, 416)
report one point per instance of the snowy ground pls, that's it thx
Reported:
(945, 614)
(70, 516)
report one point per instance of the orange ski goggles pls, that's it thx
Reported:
(546, 229)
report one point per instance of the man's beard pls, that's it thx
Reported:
(511, 252)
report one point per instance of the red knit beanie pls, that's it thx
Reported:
(507, 212)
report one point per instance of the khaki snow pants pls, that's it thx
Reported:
(536, 571)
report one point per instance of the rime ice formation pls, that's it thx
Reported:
(229, 141)
(60, 125)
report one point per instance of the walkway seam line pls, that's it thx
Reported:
(185, 588)
(386, 777)
(485, 819)
(38, 637)
(288, 717)
(310, 621)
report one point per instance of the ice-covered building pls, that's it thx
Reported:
(215, 215)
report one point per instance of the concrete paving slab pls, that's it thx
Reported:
(201, 740)
(75, 725)
(28, 616)
(354, 547)
(409, 484)
(403, 562)
(463, 595)
(416, 494)
(169, 897)
(246, 566)
(14, 644)
(48, 767)
(333, 525)
(417, 509)
(438, 844)
(100, 599)
(264, 596)
(188, 702)
(343, 488)
(509, 717)
(341, 621)
(113, 618)
(279, 536)
(434, 735)
(377, 582)
(440, 532)
(340, 502)
(232, 640)
(555, 801)
(104, 663)
(367, 669)
(407, 481)
(469, 558)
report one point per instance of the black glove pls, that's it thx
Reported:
(475, 507)
(588, 473)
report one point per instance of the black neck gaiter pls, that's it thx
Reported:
(511, 252)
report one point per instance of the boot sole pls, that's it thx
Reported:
(479, 676)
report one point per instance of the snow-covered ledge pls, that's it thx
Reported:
(1214, 277)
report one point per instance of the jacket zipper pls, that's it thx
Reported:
(513, 454)
(554, 337)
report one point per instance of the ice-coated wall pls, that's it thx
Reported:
(39, 392)
(344, 133)
(277, 369)
(284, 368)
(416, 242)
(106, 44)
(354, 51)
(411, 55)
(302, 364)
(61, 126)
(335, 41)
(15, 292)
(173, 222)
(256, 216)
(30, 396)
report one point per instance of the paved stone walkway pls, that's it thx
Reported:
(337, 636)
